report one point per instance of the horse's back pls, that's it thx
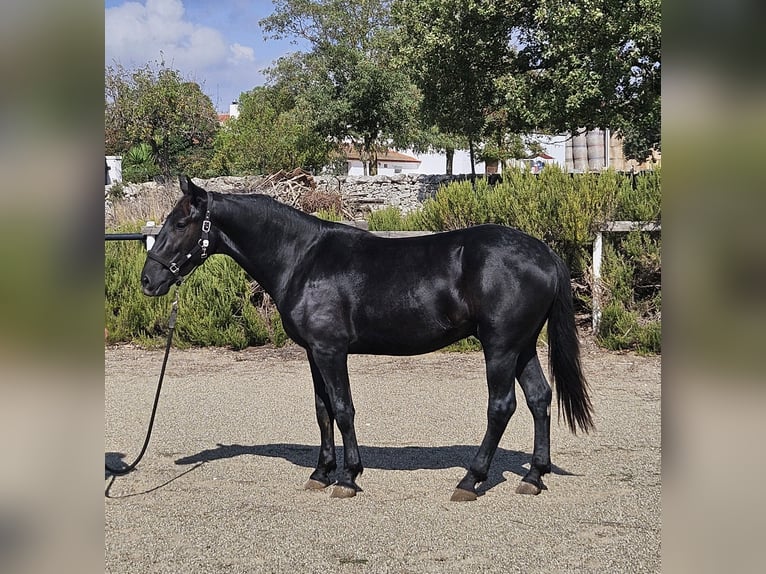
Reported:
(466, 263)
(412, 295)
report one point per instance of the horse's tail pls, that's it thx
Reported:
(564, 353)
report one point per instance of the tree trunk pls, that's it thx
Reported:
(373, 161)
(164, 158)
(473, 161)
(450, 157)
(372, 155)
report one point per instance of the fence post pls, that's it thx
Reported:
(598, 245)
(149, 238)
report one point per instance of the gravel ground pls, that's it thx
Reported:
(220, 488)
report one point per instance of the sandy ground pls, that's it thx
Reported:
(220, 488)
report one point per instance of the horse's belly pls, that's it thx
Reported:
(397, 330)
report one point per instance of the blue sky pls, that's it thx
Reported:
(217, 44)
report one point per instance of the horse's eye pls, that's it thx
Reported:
(181, 223)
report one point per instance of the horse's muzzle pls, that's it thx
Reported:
(155, 288)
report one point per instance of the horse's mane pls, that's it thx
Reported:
(274, 210)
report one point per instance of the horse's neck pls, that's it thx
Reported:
(266, 240)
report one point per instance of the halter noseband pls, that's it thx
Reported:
(200, 247)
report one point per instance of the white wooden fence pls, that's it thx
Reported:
(598, 247)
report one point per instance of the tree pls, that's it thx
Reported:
(271, 133)
(456, 49)
(489, 70)
(154, 105)
(590, 64)
(348, 79)
(432, 139)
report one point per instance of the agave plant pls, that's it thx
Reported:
(139, 164)
(139, 154)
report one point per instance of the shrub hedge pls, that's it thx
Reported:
(565, 210)
(221, 306)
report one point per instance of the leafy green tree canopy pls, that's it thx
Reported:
(155, 105)
(455, 49)
(271, 133)
(348, 79)
(488, 70)
(588, 63)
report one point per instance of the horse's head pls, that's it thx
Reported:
(182, 244)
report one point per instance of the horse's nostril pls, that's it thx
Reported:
(145, 281)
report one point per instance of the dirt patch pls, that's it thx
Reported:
(221, 487)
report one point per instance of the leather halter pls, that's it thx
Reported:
(201, 246)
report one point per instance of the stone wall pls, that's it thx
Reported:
(359, 194)
(405, 191)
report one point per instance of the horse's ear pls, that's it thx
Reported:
(186, 184)
(196, 193)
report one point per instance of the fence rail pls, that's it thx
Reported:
(124, 237)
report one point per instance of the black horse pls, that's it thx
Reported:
(341, 290)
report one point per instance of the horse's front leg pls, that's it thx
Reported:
(332, 366)
(320, 478)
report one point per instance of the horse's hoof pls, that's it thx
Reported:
(463, 495)
(341, 491)
(312, 484)
(527, 488)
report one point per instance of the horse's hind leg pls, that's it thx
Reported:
(320, 478)
(538, 394)
(501, 381)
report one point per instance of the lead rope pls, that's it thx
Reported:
(171, 329)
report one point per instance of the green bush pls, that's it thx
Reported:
(116, 191)
(644, 202)
(139, 164)
(631, 284)
(623, 329)
(454, 206)
(564, 210)
(215, 305)
(330, 214)
(392, 219)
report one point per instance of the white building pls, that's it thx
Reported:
(389, 163)
(392, 162)
(113, 169)
(591, 150)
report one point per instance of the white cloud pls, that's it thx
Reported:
(139, 33)
(242, 53)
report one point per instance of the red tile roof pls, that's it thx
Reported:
(388, 155)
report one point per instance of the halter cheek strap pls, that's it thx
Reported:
(201, 246)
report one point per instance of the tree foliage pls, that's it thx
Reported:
(455, 49)
(154, 105)
(348, 80)
(271, 133)
(489, 70)
(588, 63)
(427, 74)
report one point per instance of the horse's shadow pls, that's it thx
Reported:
(383, 457)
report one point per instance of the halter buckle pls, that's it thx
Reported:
(174, 269)
(206, 226)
